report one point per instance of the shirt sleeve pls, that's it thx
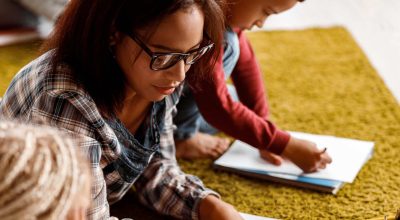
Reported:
(58, 111)
(68, 110)
(247, 78)
(165, 188)
(246, 120)
(99, 208)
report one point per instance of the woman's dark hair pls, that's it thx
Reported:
(81, 40)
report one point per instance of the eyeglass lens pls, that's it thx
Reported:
(164, 61)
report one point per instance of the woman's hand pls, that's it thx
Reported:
(213, 208)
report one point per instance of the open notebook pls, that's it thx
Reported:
(348, 157)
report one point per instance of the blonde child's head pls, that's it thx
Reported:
(42, 175)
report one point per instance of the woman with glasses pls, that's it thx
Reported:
(111, 75)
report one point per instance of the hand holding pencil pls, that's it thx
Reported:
(306, 155)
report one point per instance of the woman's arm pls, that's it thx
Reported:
(165, 188)
(59, 110)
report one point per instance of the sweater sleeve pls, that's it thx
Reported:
(246, 120)
(247, 78)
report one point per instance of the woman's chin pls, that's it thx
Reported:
(158, 98)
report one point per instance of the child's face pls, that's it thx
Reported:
(245, 14)
(178, 32)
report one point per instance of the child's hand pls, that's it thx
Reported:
(271, 157)
(306, 155)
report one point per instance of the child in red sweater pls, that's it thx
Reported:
(247, 119)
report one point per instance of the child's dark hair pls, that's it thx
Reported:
(82, 35)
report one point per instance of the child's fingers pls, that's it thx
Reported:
(325, 158)
(271, 157)
(223, 145)
(311, 170)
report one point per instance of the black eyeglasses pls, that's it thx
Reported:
(162, 61)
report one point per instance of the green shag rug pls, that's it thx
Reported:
(13, 58)
(318, 81)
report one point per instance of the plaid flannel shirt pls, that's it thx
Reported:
(56, 99)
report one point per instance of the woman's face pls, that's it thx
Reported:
(245, 14)
(181, 31)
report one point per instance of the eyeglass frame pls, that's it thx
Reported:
(155, 55)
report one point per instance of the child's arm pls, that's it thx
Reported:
(234, 118)
(248, 81)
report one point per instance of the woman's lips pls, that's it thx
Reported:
(168, 90)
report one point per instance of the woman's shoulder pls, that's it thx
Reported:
(40, 76)
(37, 87)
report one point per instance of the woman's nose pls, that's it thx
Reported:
(178, 71)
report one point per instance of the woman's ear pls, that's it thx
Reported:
(114, 38)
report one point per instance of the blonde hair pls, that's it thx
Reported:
(40, 172)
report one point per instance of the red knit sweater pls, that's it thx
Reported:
(246, 120)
